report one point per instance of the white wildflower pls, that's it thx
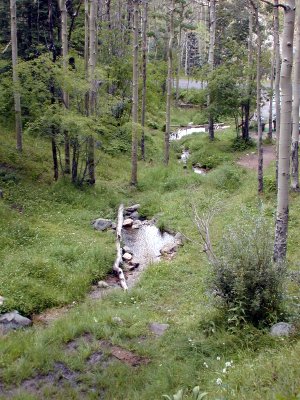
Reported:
(205, 365)
(219, 381)
(228, 364)
(218, 358)
(224, 370)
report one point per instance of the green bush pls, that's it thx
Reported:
(270, 185)
(247, 283)
(239, 144)
(227, 177)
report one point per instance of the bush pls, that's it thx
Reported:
(248, 284)
(227, 177)
(239, 144)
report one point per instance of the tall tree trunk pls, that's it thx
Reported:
(211, 58)
(135, 92)
(14, 52)
(64, 42)
(245, 125)
(270, 131)
(277, 81)
(169, 84)
(86, 50)
(296, 103)
(178, 70)
(144, 92)
(258, 100)
(92, 92)
(54, 156)
(281, 229)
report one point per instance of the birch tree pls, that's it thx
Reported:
(144, 73)
(255, 5)
(211, 57)
(92, 92)
(135, 92)
(296, 103)
(169, 83)
(277, 80)
(14, 52)
(64, 45)
(281, 228)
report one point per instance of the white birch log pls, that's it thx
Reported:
(116, 266)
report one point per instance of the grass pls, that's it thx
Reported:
(50, 256)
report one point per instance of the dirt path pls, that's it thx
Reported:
(250, 160)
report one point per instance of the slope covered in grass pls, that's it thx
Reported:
(51, 255)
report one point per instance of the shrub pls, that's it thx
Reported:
(248, 284)
(227, 177)
(239, 144)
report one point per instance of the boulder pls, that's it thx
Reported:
(169, 248)
(158, 329)
(126, 249)
(180, 239)
(102, 224)
(135, 215)
(13, 320)
(127, 257)
(136, 225)
(133, 208)
(103, 285)
(282, 329)
(127, 222)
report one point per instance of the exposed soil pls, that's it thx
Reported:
(62, 376)
(250, 160)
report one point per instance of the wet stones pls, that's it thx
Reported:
(127, 223)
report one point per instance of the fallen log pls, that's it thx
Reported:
(116, 266)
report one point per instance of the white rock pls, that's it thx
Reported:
(127, 257)
(127, 222)
(103, 285)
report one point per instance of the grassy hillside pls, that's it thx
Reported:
(50, 256)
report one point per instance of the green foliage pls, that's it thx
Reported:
(239, 144)
(227, 177)
(248, 285)
(270, 185)
(193, 96)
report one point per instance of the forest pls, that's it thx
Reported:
(149, 199)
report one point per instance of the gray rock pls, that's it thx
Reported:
(13, 320)
(102, 224)
(169, 248)
(103, 285)
(133, 208)
(127, 222)
(137, 224)
(135, 215)
(180, 239)
(126, 249)
(127, 257)
(282, 329)
(158, 329)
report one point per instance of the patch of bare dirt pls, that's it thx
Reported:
(125, 356)
(60, 376)
(51, 315)
(250, 160)
(72, 346)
